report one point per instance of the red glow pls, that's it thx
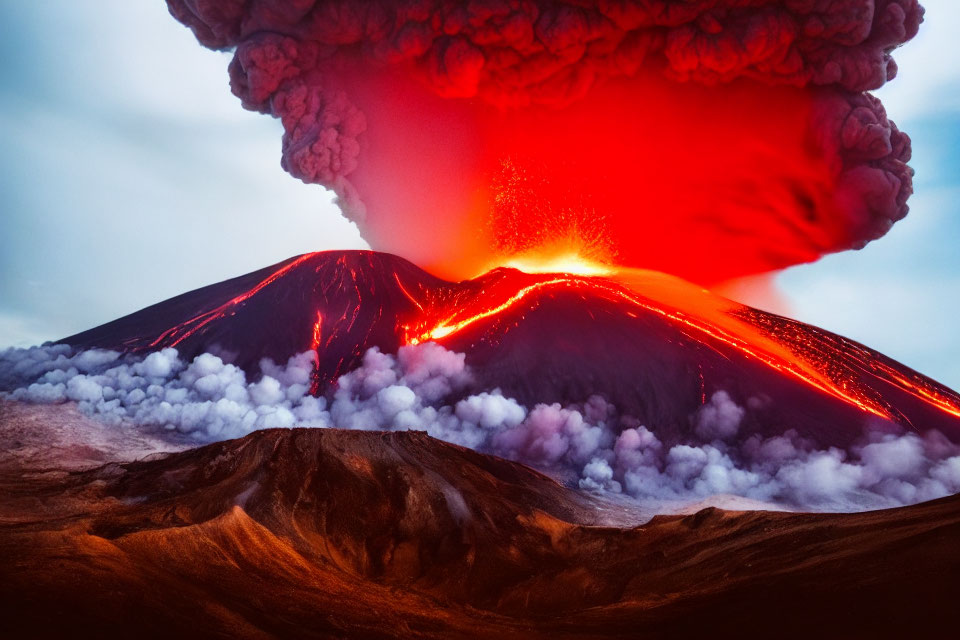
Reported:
(315, 347)
(317, 332)
(703, 183)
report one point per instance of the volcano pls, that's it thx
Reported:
(651, 344)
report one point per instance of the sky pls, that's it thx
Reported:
(129, 174)
(901, 294)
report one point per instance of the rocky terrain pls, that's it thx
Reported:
(322, 533)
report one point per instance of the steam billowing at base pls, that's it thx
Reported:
(707, 139)
(645, 133)
(590, 445)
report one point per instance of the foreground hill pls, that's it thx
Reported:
(337, 534)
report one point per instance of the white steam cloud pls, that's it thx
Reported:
(424, 387)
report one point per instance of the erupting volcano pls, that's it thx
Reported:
(509, 408)
(656, 346)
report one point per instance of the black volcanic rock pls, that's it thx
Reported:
(333, 534)
(656, 347)
(394, 506)
(358, 294)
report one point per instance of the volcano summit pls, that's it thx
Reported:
(653, 345)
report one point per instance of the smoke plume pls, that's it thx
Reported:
(589, 445)
(644, 132)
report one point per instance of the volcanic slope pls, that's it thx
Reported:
(655, 346)
(322, 533)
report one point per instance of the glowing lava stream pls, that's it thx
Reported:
(172, 336)
(315, 347)
(707, 314)
(443, 329)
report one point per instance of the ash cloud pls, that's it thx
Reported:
(289, 63)
(551, 50)
(424, 387)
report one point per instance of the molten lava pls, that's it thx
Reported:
(559, 261)
(175, 335)
(827, 363)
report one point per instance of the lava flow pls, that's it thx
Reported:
(830, 364)
(654, 344)
(176, 335)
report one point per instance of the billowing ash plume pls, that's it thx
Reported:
(422, 387)
(746, 119)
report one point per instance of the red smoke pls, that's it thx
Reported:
(710, 139)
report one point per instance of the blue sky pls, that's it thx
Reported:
(128, 171)
(129, 174)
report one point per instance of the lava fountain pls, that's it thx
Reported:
(621, 155)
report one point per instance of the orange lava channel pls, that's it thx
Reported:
(693, 308)
(177, 334)
(449, 326)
